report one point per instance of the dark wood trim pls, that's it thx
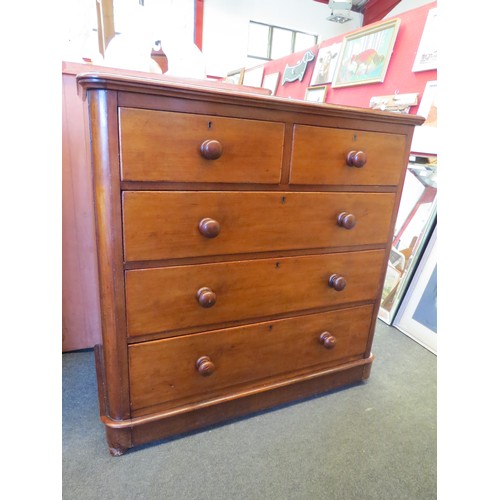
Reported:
(183, 410)
(307, 188)
(104, 140)
(136, 339)
(196, 89)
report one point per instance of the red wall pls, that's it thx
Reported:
(399, 76)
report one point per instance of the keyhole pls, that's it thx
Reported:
(209, 125)
(355, 137)
(283, 199)
(277, 265)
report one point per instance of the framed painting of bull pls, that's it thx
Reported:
(365, 54)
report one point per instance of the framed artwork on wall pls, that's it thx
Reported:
(425, 139)
(253, 76)
(365, 54)
(271, 82)
(426, 57)
(326, 62)
(316, 94)
(417, 316)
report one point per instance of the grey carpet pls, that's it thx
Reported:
(374, 440)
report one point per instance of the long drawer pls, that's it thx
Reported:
(198, 367)
(163, 225)
(171, 298)
(183, 147)
(320, 157)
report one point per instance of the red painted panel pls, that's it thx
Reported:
(377, 10)
(399, 76)
(198, 23)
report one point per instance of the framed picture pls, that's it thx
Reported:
(417, 316)
(326, 62)
(426, 57)
(235, 76)
(417, 216)
(425, 138)
(253, 76)
(271, 82)
(365, 54)
(316, 94)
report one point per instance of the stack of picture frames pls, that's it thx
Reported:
(254, 77)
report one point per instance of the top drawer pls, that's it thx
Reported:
(319, 157)
(182, 147)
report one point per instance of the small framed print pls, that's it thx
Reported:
(270, 82)
(326, 62)
(316, 94)
(253, 76)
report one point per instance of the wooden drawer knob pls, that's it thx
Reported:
(209, 228)
(328, 340)
(206, 297)
(205, 366)
(356, 159)
(346, 220)
(337, 282)
(211, 149)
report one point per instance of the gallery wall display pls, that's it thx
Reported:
(397, 103)
(316, 94)
(425, 138)
(366, 54)
(417, 316)
(252, 77)
(426, 57)
(326, 63)
(270, 82)
(297, 71)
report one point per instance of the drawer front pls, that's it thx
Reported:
(163, 225)
(166, 371)
(166, 146)
(319, 157)
(171, 298)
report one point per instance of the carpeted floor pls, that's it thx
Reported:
(375, 440)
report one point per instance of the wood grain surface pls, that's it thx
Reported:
(164, 299)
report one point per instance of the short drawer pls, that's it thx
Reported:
(320, 157)
(198, 367)
(180, 297)
(164, 225)
(182, 147)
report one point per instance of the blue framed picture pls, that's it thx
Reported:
(417, 316)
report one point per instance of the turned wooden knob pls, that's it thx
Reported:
(206, 297)
(205, 366)
(356, 159)
(337, 282)
(209, 228)
(211, 149)
(328, 340)
(346, 220)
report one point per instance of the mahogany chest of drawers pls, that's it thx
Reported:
(242, 244)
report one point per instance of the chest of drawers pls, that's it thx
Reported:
(242, 243)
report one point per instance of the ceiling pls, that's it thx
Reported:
(372, 10)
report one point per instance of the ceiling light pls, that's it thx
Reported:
(341, 11)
